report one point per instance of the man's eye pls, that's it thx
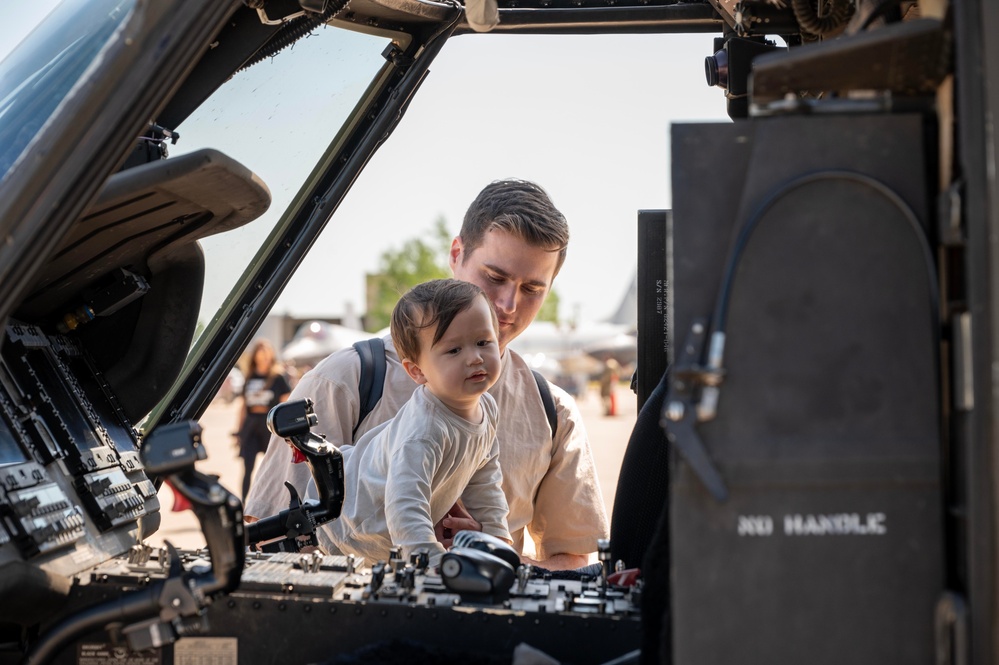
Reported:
(495, 279)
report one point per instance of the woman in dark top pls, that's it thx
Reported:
(266, 386)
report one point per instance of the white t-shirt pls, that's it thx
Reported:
(403, 476)
(550, 486)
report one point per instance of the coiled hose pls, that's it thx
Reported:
(809, 20)
(292, 31)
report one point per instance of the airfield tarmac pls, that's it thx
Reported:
(608, 439)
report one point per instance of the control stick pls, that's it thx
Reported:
(479, 567)
(293, 529)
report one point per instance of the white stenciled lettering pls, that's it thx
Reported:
(876, 524)
(836, 524)
(755, 525)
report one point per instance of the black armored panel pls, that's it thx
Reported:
(806, 507)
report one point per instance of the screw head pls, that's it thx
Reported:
(675, 411)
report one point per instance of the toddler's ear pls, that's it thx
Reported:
(414, 371)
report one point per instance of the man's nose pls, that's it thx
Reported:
(506, 299)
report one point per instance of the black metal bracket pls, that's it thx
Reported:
(680, 411)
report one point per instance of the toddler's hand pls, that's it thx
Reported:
(457, 519)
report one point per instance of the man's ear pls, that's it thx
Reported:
(414, 371)
(455, 254)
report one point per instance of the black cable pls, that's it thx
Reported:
(877, 13)
(450, 25)
(724, 293)
(135, 605)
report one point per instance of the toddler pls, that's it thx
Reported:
(403, 476)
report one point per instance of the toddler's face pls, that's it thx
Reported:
(465, 362)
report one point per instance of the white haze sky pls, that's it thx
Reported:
(586, 117)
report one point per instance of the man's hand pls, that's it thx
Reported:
(559, 561)
(457, 519)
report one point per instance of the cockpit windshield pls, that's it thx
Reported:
(48, 66)
(277, 118)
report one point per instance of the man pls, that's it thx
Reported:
(512, 244)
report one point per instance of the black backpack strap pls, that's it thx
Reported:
(547, 400)
(372, 381)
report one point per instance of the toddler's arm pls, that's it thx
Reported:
(407, 500)
(485, 501)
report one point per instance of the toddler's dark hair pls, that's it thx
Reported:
(433, 303)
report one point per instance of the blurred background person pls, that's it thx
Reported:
(265, 387)
(609, 377)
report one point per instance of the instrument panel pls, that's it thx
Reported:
(296, 608)
(73, 492)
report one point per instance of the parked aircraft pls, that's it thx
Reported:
(317, 339)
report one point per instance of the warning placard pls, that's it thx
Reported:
(206, 651)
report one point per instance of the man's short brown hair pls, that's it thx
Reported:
(521, 208)
(433, 303)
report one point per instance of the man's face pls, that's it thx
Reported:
(465, 361)
(516, 277)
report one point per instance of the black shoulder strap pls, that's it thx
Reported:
(547, 400)
(372, 381)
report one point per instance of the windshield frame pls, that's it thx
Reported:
(375, 116)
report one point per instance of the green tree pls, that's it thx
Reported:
(549, 311)
(418, 260)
